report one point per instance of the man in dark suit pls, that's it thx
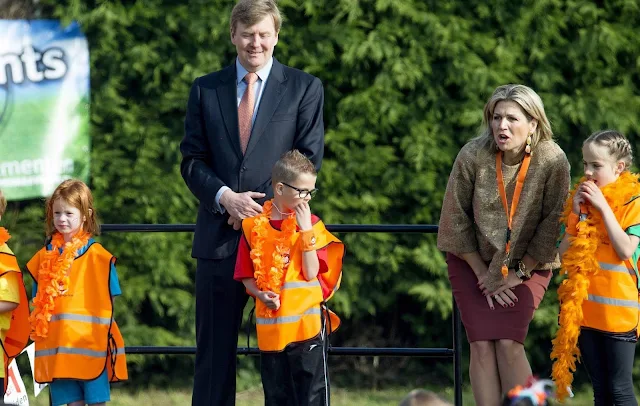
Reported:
(239, 121)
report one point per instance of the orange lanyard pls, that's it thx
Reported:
(522, 174)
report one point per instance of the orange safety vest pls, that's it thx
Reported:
(299, 316)
(83, 337)
(18, 334)
(613, 302)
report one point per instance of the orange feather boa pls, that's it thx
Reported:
(578, 263)
(53, 279)
(269, 272)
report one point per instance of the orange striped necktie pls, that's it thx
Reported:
(245, 110)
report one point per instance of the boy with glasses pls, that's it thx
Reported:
(291, 264)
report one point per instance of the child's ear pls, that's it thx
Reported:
(620, 167)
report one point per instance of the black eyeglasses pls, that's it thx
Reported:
(302, 193)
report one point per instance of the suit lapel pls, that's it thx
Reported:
(271, 96)
(228, 100)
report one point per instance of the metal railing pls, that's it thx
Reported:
(453, 353)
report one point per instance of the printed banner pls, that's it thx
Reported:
(16, 394)
(44, 106)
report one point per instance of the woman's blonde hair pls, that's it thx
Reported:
(616, 143)
(531, 105)
(78, 195)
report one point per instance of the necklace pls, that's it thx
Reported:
(281, 213)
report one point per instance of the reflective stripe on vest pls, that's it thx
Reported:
(76, 351)
(81, 317)
(616, 268)
(613, 302)
(301, 284)
(287, 319)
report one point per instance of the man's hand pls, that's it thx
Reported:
(235, 222)
(241, 205)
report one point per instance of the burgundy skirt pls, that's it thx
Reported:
(484, 324)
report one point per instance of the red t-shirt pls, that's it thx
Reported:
(244, 265)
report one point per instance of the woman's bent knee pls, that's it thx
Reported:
(483, 349)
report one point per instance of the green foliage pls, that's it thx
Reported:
(405, 83)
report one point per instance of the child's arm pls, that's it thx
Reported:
(624, 244)
(7, 306)
(310, 262)
(10, 291)
(270, 299)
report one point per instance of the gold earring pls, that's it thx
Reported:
(527, 149)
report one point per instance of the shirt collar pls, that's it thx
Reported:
(263, 73)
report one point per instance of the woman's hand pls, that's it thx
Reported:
(503, 295)
(481, 281)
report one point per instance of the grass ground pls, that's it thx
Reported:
(253, 397)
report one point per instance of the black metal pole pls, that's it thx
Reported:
(345, 351)
(457, 355)
(338, 228)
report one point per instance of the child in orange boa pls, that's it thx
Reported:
(14, 307)
(599, 299)
(291, 264)
(79, 348)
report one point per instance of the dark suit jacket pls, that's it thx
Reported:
(289, 117)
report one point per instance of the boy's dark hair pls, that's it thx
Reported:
(3, 203)
(291, 165)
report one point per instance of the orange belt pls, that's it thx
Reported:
(522, 174)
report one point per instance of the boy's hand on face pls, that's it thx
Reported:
(303, 216)
(270, 299)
